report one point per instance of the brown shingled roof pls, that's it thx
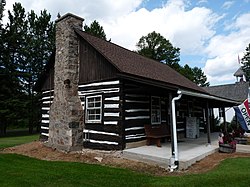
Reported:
(237, 91)
(131, 63)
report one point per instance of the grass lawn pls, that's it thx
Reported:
(16, 140)
(17, 170)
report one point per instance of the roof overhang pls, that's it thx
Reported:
(208, 96)
(174, 88)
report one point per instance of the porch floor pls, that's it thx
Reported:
(190, 151)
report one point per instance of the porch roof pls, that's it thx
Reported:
(218, 99)
(237, 91)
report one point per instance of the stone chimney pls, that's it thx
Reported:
(66, 112)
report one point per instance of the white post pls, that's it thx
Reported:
(174, 160)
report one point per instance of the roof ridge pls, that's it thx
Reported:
(130, 62)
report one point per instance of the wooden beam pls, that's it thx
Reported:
(208, 123)
(224, 119)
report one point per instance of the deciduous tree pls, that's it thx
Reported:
(156, 47)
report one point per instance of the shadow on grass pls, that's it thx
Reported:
(18, 132)
(17, 137)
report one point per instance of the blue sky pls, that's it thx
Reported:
(210, 33)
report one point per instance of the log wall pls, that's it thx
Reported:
(108, 134)
(47, 99)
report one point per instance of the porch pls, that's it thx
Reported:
(190, 151)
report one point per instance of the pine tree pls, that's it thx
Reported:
(95, 29)
(28, 41)
(246, 62)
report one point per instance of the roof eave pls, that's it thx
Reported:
(208, 96)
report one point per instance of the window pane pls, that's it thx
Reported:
(90, 105)
(155, 110)
(98, 104)
(98, 117)
(97, 99)
(93, 109)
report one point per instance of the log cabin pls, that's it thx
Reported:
(99, 95)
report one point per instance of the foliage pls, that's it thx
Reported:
(246, 62)
(95, 29)
(28, 40)
(195, 74)
(51, 173)
(156, 47)
(2, 4)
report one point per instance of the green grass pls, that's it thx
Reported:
(17, 170)
(16, 140)
(231, 172)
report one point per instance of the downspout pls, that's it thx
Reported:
(174, 160)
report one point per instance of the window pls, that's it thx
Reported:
(93, 109)
(155, 110)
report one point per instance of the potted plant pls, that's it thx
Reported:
(227, 144)
(239, 136)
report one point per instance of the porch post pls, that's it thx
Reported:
(236, 120)
(224, 119)
(208, 123)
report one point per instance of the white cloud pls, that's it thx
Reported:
(124, 22)
(227, 4)
(223, 51)
(202, 2)
(191, 29)
(94, 9)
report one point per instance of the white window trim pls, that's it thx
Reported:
(86, 110)
(155, 123)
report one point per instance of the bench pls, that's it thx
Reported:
(154, 133)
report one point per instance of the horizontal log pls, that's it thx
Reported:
(112, 102)
(112, 110)
(46, 131)
(47, 105)
(139, 113)
(133, 132)
(104, 128)
(45, 124)
(102, 137)
(102, 146)
(112, 118)
(135, 140)
(45, 111)
(105, 84)
(129, 106)
(48, 94)
(136, 123)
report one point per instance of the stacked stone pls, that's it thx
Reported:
(66, 112)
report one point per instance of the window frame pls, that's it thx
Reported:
(87, 108)
(158, 108)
